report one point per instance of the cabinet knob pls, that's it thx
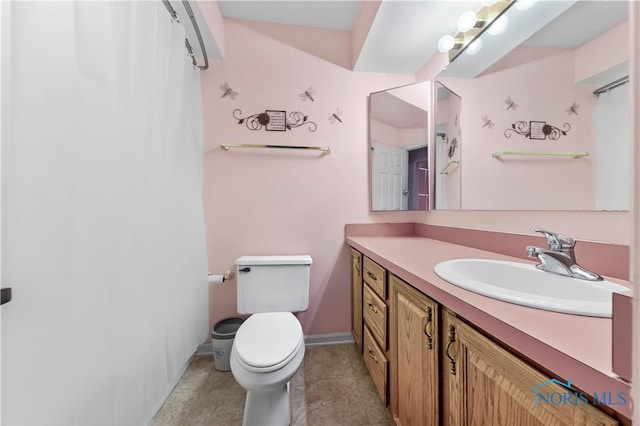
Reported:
(373, 308)
(372, 276)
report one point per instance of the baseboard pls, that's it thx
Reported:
(328, 339)
(206, 349)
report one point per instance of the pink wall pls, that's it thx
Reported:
(516, 182)
(389, 135)
(331, 45)
(603, 52)
(215, 21)
(287, 202)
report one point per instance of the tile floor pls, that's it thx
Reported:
(333, 387)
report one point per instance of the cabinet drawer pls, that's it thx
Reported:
(376, 276)
(377, 364)
(375, 316)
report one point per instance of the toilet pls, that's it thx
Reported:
(268, 348)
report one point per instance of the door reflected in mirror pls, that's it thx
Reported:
(398, 136)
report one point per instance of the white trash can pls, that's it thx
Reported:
(222, 337)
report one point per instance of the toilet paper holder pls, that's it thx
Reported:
(228, 275)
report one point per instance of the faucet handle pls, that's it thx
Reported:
(556, 242)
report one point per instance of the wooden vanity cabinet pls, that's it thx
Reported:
(435, 369)
(356, 298)
(414, 345)
(374, 316)
(484, 384)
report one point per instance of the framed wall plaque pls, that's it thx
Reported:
(277, 121)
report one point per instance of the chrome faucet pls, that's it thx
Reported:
(560, 257)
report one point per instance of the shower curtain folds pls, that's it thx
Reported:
(102, 190)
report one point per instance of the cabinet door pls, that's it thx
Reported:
(414, 353)
(488, 385)
(356, 297)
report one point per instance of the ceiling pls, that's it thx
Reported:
(402, 37)
(404, 34)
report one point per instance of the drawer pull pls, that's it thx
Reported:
(371, 355)
(426, 328)
(372, 276)
(373, 308)
(452, 339)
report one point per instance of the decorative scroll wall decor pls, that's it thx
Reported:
(228, 91)
(308, 94)
(538, 130)
(275, 120)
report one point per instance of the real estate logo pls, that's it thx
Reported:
(571, 396)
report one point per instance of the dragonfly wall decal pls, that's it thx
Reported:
(510, 104)
(573, 109)
(227, 91)
(487, 122)
(335, 116)
(308, 94)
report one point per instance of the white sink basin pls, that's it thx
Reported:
(524, 284)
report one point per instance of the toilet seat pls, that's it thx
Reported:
(268, 341)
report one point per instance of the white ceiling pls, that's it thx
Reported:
(402, 37)
(334, 15)
(404, 33)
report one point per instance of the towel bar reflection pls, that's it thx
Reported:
(325, 151)
(499, 154)
(446, 167)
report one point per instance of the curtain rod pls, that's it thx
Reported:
(189, 10)
(616, 83)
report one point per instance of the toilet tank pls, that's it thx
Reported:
(273, 283)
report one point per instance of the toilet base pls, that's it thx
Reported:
(267, 408)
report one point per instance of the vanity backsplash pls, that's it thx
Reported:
(606, 259)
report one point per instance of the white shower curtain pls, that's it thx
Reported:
(103, 231)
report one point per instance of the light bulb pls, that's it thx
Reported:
(446, 43)
(466, 21)
(488, 3)
(474, 47)
(498, 25)
(524, 4)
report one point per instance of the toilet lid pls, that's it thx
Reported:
(266, 340)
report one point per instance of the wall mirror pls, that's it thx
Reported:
(398, 142)
(448, 145)
(544, 113)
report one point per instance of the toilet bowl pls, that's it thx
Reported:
(269, 346)
(267, 352)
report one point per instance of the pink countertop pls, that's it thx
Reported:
(571, 346)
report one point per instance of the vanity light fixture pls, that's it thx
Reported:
(447, 43)
(471, 25)
(467, 21)
(474, 47)
(499, 25)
